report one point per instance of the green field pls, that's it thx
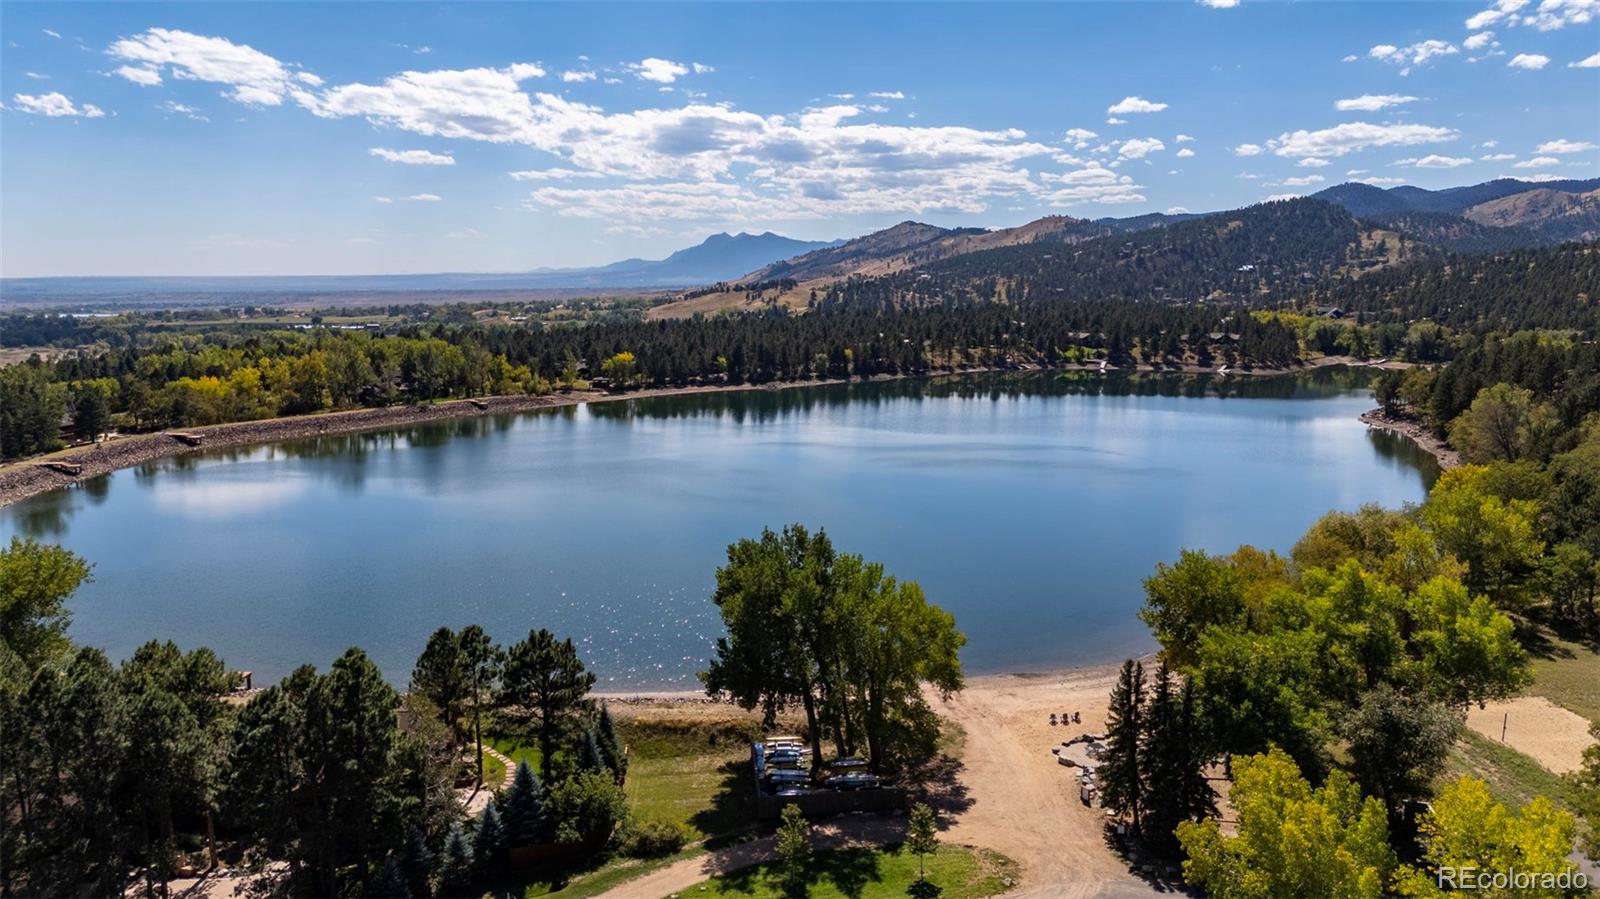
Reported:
(960, 872)
(1568, 674)
(691, 773)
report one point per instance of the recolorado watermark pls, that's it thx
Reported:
(1469, 877)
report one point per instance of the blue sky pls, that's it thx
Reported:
(269, 138)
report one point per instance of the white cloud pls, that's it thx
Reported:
(1219, 4)
(1532, 61)
(36, 76)
(552, 175)
(1478, 41)
(1502, 9)
(54, 105)
(1303, 180)
(1542, 176)
(701, 68)
(1140, 147)
(383, 199)
(1353, 172)
(1248, 150)
(1352, 136)
(308, 78)
(1435, 161)
(1565, 146)
(1312, 162)
(1079, 137)
(1413, 54)
(1185, 153)
(186, 111)
(1350, 57)
(1177, 210)
(1380, 182)
(1277, 198)
(1538, 162)
(1134, 104)
(888, 95)
(1588, 62)
(140, 76)
(54, 34)
(464, 233)
(1183, 139)
(412, 157)
(424, 198)
(1092, 184)
(1490, 144)
(254, 76)
(1373, 102)
(1113, 120)
(1496, 157)
(1555, 14)
(574, 76)
(663, 71)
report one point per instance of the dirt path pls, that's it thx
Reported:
(1536, 727)
(473, 800)
(680, 876)
(1023, 802)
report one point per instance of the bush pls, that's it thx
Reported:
(654, 839)
(586, 808)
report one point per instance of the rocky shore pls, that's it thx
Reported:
(20, 480)
(30, 477)
(1411, 427)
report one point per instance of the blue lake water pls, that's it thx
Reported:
(1031, 506)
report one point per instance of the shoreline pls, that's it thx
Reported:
(1412, 428)
(26, 478)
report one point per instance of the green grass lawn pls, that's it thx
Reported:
(597, 880)
(1568, 674)
(494, 770)
(690, 773)
(960, 872)
(513, 749)
(1513, 778)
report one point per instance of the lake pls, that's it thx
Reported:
(1030, 506)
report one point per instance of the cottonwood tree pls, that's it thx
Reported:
(1466, 829)
(1292, 839)
(837, 636)
(545, 688)
(35, 581)
(1398, 744)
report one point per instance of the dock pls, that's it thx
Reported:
(63, 466)
(479, 404)
(192, 438)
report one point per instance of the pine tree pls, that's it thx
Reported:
(794, 849)
(488, 844)
(611, 744)
(524, 812)
(416, 863)
(589, 756)
(1175, 786)
(390, 883)
(455, 866)
(1120, 771)
(922, 836)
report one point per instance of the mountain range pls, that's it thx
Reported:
(1345, 229)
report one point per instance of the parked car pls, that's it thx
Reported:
(786, 758)
(791, 791)
(855, 780)
(777, 778)
(846, 765)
